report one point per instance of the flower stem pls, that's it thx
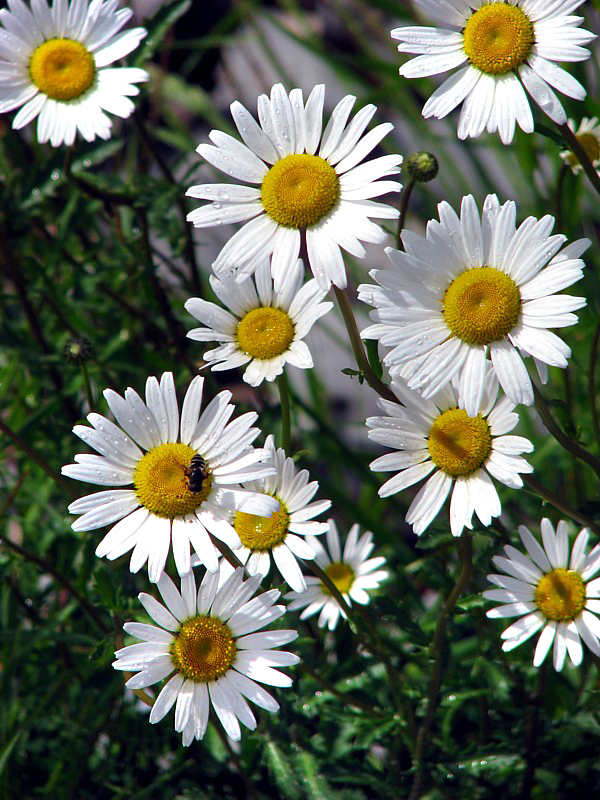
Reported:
(592, 384)
(563, 507)
(357, 347)
(33, 455)
(44, 565)
(465, 553)
(576, 148)
(403, 208)
(88, 387)
(561, 437)
(284, 402)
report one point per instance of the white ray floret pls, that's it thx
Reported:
(284, 536)
(476, 292)
(306, 185)
(56, 66)
(502, 49)
(260, 327)
(210, 648)
(152, 450)
(352, 572)
(550, 591)
(462, 451)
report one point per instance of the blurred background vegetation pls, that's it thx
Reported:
(95, 253)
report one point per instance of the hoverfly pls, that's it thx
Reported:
(196, 473)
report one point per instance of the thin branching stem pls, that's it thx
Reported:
(573, 447)
(576, 148)
(592, 399)
(357, 347)
(284, 403)
(403, 208)
(465, 553)
(550, 497)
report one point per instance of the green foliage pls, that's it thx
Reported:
(94, 244)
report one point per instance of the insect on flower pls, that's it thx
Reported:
(196, 473)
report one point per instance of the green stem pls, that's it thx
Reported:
(403, 208)
(35, 456)
(347, 699)
(284, 402)
(576, 148)
(44, 565)
(465, 553)
(563, 507)
(592, 400)
(88, 387)
(573, 447)
(559, 195)
(357, 347)
(190, 250)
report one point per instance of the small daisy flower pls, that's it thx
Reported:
(439, 436)
(474, 288)
(281, 536)
(55, 65)
(352, 573)
(508, 46)
(185, 484)
(262, 327)
(306, 185)
(211, 645)
(551, 592)
(588, 136)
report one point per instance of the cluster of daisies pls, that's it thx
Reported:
(458, 315)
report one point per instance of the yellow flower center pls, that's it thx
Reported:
(262, 533)
(498, 38)
(203, 649)
(341, 575)
(591, 146)
(560, 595)
(62, 69)
(265, 332)
(482, 305)
(161, 483)
(299, 190)
(459, 444)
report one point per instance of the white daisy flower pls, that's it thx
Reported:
(472, 288)
(212, 646)
(439, 436)
(352, 572)
(508, 46)
(588, 136)
(55, 65)
(185, 484)
(549, 591)
(281, 536)
(262, 327)
(308, 185)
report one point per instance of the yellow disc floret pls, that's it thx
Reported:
(203, 649)
(341, 575)
(482, 305)
(161, 483)
(262, 533)
(498, 38)
(265, 332)
(560, 595)
(63, 69)
(459, 444)
(300, 190)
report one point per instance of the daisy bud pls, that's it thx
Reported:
(78, 350)
(422, 166)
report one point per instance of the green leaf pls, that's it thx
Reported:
(6, 753)
(281, 770)
(315, 784)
